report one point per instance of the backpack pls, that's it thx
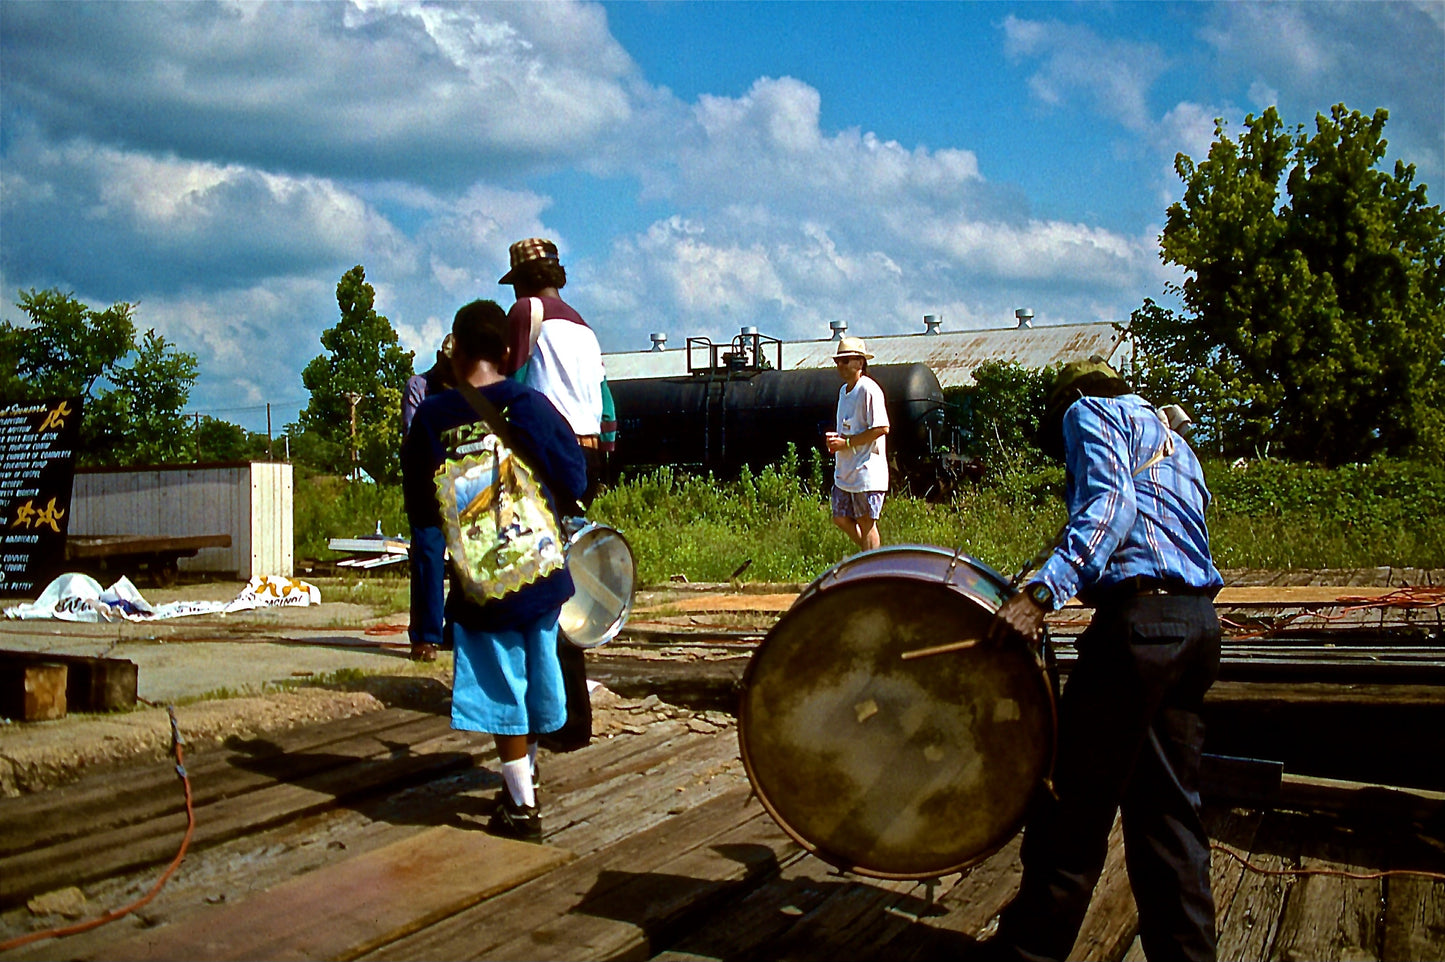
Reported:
(500, 531)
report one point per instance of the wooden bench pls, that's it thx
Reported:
(157, 555)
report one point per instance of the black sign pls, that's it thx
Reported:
(37, 467)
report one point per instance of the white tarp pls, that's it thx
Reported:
(78, 597)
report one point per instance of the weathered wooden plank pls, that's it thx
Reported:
(1112, 921)
(1235, 828)
(968, 908)
(154, 841)
(352, 907)
(754, 926)
(136, 794)
(1248, 927)
(1328, 917)
(1414, 917)
(631, 914)
(478, 932)
(33, 692)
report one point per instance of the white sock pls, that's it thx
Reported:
(518, 778)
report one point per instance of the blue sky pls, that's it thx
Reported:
(701, 165)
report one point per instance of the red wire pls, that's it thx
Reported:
(114, 914)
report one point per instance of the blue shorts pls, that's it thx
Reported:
(508, 682)
(857, 504)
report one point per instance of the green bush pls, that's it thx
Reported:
(330, 507)
(1267, 514)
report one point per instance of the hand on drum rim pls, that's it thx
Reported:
(1018, 616)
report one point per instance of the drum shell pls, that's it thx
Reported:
(603, 572)
(887, 767)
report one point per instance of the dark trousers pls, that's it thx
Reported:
(1130, 737)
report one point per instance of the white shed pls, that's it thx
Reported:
(252, 501)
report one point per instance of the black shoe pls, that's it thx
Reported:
(511, 820)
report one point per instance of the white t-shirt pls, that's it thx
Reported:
(566, 366)
(865, 467)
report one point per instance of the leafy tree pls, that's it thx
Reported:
(365, 360)
(1316, 321)
(132, 411)
(65, 348)
(999, 413)
(220, 440)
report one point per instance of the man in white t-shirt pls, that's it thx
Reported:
(860, 475)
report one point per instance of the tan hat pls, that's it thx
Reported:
(525, 251)
(851, 347)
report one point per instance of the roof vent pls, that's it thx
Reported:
(1025, 316)
(932, 323)
(659, 342)
(839, 328)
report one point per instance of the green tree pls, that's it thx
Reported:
(132, 411)
(364, 361)
(999, 413)
(1314, 322)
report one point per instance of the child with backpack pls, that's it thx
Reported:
(508, 680)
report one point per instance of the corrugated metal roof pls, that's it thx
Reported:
(952, 355)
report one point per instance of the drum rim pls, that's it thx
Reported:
(1039, 664)
(614, 627)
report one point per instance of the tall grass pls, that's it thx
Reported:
(1267, 515)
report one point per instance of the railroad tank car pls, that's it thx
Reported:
(723, 417)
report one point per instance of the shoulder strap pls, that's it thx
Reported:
(497, 423)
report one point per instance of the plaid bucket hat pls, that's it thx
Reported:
(526, 251)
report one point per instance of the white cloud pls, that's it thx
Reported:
(1072, 60)
(342, 90)
(786, 226)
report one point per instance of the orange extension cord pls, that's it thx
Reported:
(176, 742)
(1410, 596)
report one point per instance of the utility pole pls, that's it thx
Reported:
(352, 397)
(269, 456)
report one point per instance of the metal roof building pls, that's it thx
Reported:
(951, 355)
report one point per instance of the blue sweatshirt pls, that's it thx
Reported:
(545, 442)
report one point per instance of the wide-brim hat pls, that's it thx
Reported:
(526, 251)
(851, 347)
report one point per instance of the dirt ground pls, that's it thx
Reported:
(244, 674)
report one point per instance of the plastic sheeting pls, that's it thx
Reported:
(79, 597)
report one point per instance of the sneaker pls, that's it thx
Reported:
(511, 820)
(423, 652)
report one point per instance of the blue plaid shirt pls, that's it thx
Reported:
(1121, 525)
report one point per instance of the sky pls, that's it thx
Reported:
(701, 166)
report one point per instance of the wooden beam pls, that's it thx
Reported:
(349, 908)
(33, 691)
(93, 684)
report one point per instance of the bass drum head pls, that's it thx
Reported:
(603, 572)
(891, 768)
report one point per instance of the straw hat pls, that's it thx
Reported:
(851, 347)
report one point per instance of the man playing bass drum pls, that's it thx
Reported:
(1130, 733)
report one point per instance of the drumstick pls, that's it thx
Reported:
(941, 649)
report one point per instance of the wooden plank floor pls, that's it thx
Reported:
(673, 860)
(655, 849)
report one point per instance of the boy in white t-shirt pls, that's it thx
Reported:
(860, 475)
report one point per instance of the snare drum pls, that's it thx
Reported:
(602, 568)
(891, 767)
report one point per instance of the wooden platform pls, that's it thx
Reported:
(361, 839)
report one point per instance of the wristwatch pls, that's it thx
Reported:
(1040, 594)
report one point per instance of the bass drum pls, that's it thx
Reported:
(602, 568)
(891, 767)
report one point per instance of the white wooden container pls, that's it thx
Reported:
(252, 501)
